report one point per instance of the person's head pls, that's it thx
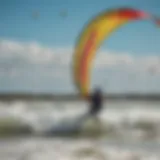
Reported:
(98, 91)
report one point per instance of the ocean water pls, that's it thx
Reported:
(127, 130)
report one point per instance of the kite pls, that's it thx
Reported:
(92, 36)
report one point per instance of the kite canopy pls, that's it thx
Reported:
(93, 35)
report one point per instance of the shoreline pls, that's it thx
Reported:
(74, 97)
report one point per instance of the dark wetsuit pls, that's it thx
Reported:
(96, 103)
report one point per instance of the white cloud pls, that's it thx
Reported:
(22, 55)
(33, 62)
(29, 52)
(128, 61)
(113, 59)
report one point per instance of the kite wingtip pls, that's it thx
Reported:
(144, 15)
(157, 21)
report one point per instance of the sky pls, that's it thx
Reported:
(37, 40)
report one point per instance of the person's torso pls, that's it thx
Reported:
(97, 100)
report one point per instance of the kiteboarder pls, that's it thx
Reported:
(96, 102)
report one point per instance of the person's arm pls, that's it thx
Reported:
(87, 98)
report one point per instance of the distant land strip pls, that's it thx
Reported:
(73, 97)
